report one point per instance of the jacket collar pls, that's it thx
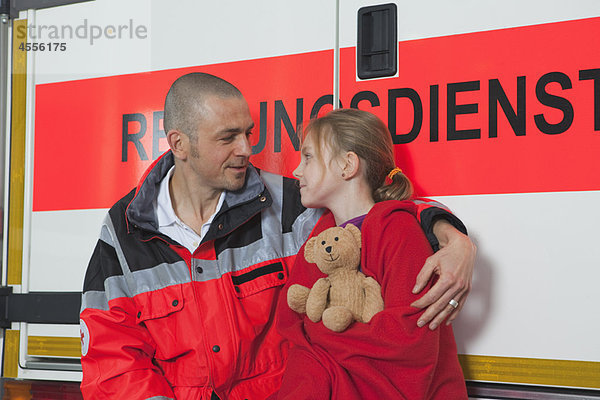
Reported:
(141, 211)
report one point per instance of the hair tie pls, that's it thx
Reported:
(393, 172)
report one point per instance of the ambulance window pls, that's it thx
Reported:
(377, 41)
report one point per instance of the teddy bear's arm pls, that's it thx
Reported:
(296, 298)
(373, 300)
(317, 299)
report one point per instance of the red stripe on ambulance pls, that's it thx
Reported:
(94, 138)
(507, 111)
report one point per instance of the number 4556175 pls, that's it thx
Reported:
(49, 46)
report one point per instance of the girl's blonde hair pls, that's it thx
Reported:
(366, 135)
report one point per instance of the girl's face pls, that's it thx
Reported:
(320, 179)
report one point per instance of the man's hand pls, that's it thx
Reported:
(454, 264)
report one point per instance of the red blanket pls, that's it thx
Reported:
(388, 358)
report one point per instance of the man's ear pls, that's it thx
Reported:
(308, 249)
(179, 143)
(350, 165)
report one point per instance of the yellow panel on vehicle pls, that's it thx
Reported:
(54, 346)
(584, 374)
(17, 154)
(11, 353)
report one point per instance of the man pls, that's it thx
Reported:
(181, 289)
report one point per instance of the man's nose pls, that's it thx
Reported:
(244, 148)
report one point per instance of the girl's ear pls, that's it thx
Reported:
(350, 165)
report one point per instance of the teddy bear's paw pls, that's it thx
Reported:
(370, 312)
(296, 298)
(337, 318)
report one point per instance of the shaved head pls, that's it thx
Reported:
(184, 104)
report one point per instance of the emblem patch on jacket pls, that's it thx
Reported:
(85, 337)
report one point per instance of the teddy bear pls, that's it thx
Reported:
(346, 294)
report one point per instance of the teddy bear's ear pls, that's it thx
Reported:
(308, 249)
(355, 232)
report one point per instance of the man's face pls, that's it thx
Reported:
(220, 149)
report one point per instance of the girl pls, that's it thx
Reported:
(348, 167)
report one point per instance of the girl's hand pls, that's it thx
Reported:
(454, 264)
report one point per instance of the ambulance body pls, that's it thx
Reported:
(494, 109)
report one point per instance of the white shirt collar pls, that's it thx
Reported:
(164, 208)
(165, 214)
